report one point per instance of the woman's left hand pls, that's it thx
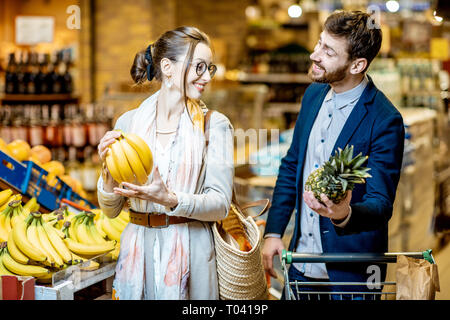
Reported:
(155, 192)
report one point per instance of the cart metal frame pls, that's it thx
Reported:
(289, 257)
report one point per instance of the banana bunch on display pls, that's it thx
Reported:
(84, 239)
(129, 159)
(12, 211)
(9, 266)
(112, 228)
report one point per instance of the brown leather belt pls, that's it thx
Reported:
(155, 220)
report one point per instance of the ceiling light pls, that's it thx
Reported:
(295, 11)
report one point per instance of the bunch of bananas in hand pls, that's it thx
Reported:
(84, 239)
(129, 159)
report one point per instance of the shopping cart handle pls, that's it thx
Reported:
(288, 257)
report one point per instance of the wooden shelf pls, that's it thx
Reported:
(37, 98)
(274, 77)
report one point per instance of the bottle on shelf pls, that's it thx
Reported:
(36, 129)
(21, 86)
(11, 75)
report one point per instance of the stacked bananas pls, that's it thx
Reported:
(129, 159)
(83, 238)
(12, 211)
(35, 249)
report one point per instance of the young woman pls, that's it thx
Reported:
(171, 254)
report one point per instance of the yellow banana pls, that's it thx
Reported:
(124, 215)
(83, 235)
(134, 162)
(98, 226)
(118, 224)
(3, 231)
(113, 167)
(142, 149)
(91, 265)
(22, 269)
(30, 206)
(47, 245)
(111, 232)
(95, 234)
(20, 238)
(114, 255)
(58, 232)
(4, 196)
(15, 252)
(46, 279)
(71, 230)
(3, 270)
(8, 223)
(11, 198)
(58, 243)
(33, 237)
(122, 162)
(89, 250)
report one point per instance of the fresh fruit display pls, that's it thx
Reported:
(338, 175)
(129, 159)
(34, 247)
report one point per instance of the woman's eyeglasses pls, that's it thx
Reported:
(201, 68)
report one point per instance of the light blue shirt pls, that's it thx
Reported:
(330, 120)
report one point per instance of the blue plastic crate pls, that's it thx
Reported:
(37, 186)
(13, 172)
(30, 179)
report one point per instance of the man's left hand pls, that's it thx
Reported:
(330, 210)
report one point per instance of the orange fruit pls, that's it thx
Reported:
(55, 167)
(41, 153)
(19, 149)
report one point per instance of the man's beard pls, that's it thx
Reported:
(329, 77)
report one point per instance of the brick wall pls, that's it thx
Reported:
(123, 28)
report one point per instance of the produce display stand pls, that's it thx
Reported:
(67, 282)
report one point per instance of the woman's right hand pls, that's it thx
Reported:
(103, 147)
(105, 142)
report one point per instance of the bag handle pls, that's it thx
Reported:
(263, 202)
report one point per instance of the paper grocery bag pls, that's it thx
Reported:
(417, 279)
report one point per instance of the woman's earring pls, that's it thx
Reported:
(168, 82)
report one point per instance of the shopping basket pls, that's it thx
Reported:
(289, 257)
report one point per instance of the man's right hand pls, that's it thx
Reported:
(272, 246)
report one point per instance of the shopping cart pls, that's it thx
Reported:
(289, 257)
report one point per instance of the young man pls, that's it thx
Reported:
(342, 107)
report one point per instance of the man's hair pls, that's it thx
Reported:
(363, 36)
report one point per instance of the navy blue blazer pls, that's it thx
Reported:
(375, 128)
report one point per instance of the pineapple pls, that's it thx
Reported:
(338, 175)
